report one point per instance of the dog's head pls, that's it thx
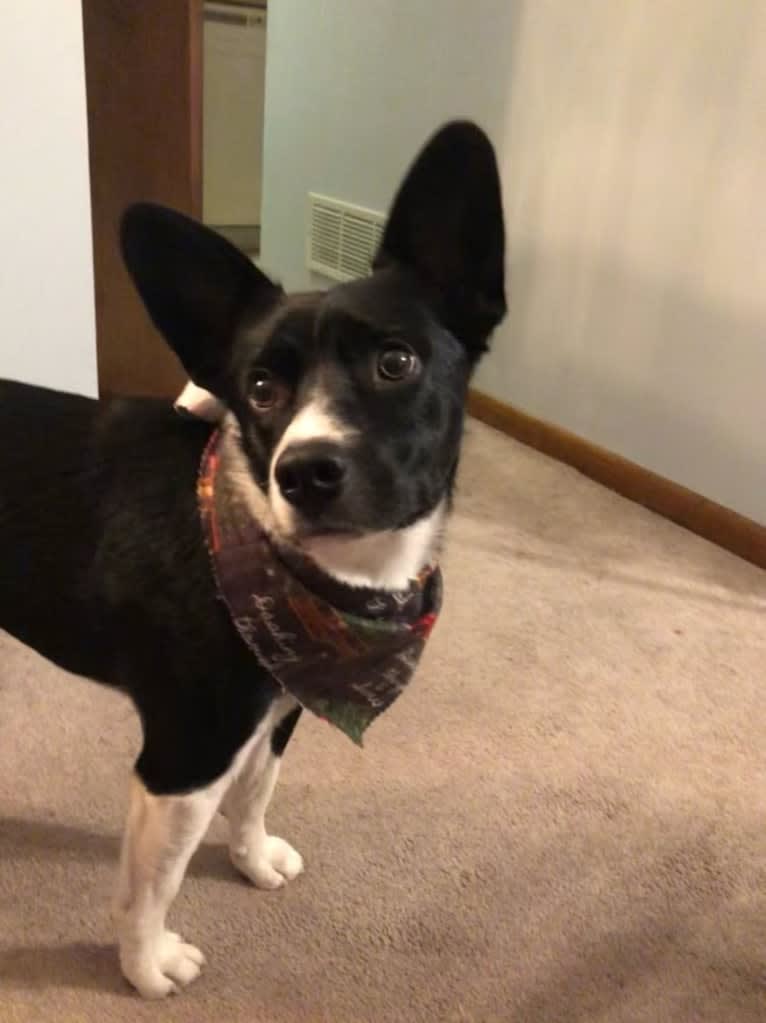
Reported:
(349, 402)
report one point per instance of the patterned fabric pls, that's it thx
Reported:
(343, 652)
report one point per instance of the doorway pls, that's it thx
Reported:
(175, 92)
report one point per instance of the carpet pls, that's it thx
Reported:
(562, 819)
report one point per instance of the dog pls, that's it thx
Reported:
(341, 413)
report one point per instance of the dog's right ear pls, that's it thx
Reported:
(195, 285)
(446, 225)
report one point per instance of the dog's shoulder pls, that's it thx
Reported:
(98, 513)
(93, 453)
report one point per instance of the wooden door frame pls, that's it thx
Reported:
(144, 67)
(196, 70)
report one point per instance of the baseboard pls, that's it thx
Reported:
(722, 526)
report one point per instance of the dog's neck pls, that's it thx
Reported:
(386, 560)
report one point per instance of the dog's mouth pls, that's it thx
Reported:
(303, 531)
(306, 533)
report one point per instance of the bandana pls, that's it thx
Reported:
(345, 653)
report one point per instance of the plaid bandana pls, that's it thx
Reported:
(345, 653)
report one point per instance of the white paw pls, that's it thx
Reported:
(269, 865)
(162, 966)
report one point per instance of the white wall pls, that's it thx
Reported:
(46, 264)
(352, 92)
(632, 147)
(634, 170)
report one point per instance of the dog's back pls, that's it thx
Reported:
(47, 515)
(89, 493)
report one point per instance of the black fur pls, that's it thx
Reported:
(105, 572)
(284, 730)
(104, 568)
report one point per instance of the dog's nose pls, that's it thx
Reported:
(311, 475)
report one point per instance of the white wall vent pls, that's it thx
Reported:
(342, 239)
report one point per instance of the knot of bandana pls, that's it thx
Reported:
(345, 653)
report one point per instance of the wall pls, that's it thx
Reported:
(46, 265)
(632, 160)
(634, 156)
(352, 92)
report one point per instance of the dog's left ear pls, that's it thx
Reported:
(196, 286)
(446, 225)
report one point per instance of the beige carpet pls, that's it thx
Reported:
(563, 820)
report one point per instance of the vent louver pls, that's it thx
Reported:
(342, 238)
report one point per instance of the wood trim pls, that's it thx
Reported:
(714, 522)
(196, 71)
(143, 70)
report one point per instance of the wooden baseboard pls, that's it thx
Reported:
(722, 526)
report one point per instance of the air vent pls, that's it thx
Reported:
(343, 239)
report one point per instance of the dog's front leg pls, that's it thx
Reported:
(161, 836)
(266, 860)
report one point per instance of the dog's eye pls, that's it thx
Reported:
(266, 391)
(396, 363)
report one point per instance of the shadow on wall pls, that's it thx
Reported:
(652, 370)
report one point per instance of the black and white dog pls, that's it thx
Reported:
(344, 415)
